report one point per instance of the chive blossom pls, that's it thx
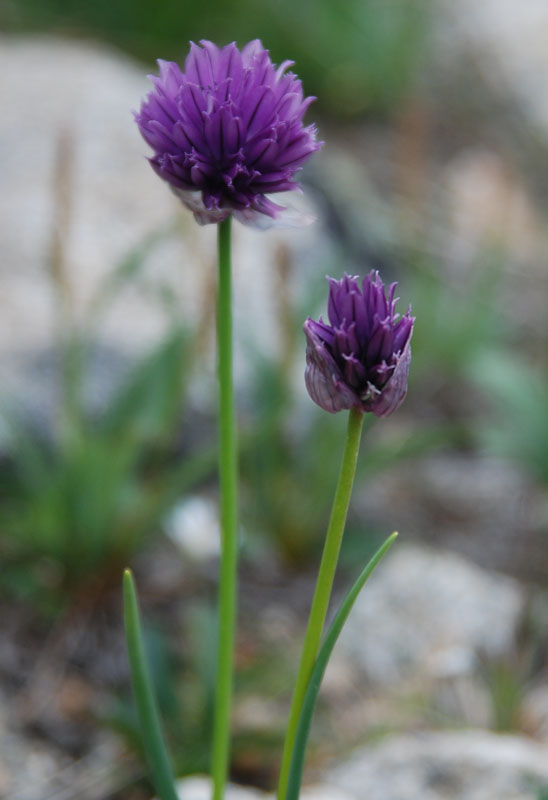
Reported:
(228, 131)
(361, 358)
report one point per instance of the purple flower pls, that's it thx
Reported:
(362, 358)
(227, 131)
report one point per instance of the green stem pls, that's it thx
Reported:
(147, 712)
(229, 529)
(322, 592)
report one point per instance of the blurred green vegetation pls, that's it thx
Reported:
(184, 688)
(358, 57)
(77, 502)
(457, 319)
(184, 685)
(517, 427)
(81, 494)
(74, 509)
(471, 356)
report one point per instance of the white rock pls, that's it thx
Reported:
(468, 765)
(199, 788)
(430, 613)
(325, 792)
(194, 527)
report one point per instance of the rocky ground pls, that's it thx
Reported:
(412, 692)
(469, 765)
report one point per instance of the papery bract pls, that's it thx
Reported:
(228, 131)
(361, 359)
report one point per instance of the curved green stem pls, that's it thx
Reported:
(147, 712)
(322, 592)
(229, 529)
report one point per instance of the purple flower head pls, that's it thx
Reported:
(361, 359)
(228, 131)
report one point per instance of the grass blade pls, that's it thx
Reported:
(147, 712)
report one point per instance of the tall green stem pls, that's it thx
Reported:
(229, 530)
(322, 592)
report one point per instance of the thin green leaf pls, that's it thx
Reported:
(147, 712)
(297, 759)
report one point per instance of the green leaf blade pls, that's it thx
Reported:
(147, 712)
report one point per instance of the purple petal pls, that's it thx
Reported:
(198, 66)
(354, 372)
(324, 381)
(393, 393)
(380, 345)
(403, 331)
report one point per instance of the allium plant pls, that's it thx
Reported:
(360, 361)
(228, 131)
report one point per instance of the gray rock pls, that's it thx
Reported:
(468, 765)
(199, 788)
(429, 614)
(508, 40)
(534, 712)
(484, 508)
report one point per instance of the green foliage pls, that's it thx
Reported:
(184, 690)
(78, 500)
(506, 687)
(361, 56)
(287, 475)
(517, 392)
(74, 509)
(148, 406)
(457, 318)
(147, 712)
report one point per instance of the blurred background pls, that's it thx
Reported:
(435, 171)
